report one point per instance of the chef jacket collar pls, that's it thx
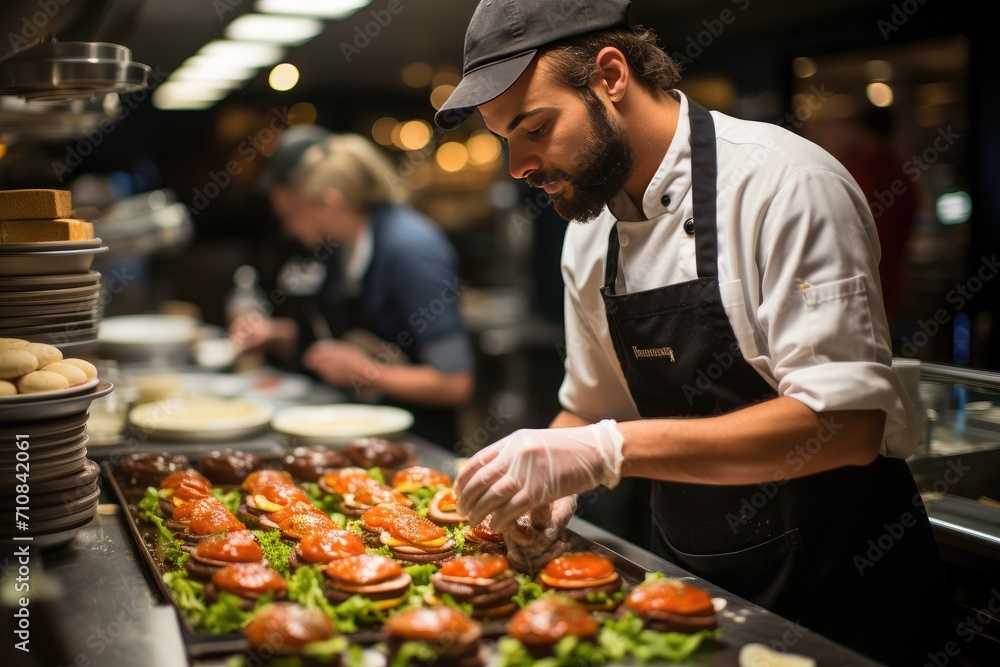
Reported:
(672, 179)
(359, 257)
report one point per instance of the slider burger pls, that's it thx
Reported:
(415, 478)
(270, 498)
(358, 491)
(482, 538)
(286, 628)
(585, 577)
(378, 578)
(484, 580)
(265, 477)
(298, 526)
(248, 581)
(443, 509)
(670, 605)
(221, 549)
(323, 546)
(452, 636)
(197, 519)
(544, 622)
(181, 487)
(377, 520)
(414, 539)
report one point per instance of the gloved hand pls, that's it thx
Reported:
(540, 536)
(531, 468)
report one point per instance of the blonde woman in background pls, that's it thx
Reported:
(388, 323)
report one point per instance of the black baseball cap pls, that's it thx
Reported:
(505, 35)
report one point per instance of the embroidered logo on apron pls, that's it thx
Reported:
(641, 352)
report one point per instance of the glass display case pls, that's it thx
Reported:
(957, 470)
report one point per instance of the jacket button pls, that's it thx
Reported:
(689, 226)
(665, 200)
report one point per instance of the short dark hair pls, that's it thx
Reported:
(574, 59)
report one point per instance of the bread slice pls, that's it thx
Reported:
(32, 231)
(35, 204)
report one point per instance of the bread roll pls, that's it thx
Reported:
(73, 374)
(15, 363)
(88, 368)
(35, 204)
(38, 381)
(46, 354)
(12, 343)
(7, 388)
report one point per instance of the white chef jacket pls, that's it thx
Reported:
(798, 273)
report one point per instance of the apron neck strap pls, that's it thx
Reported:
(704, 174)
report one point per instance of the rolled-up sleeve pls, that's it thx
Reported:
(821, 309)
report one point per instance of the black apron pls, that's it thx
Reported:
(848, 553)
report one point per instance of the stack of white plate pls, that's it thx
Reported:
(48, 487)
(48, 294)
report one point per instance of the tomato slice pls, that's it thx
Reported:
(283, 627)
(238, 546)
(446, 500)
(669, 595)
(347, 480)
(265, 477)
(207, 516)
(249, 579)
(322, 546)
(299, 525)
(480, 566)
(411, 527)
(188, 491)
(418, 477)
(294, 509)
(282, 494)
(484, 531)
(582, 565)
(364, 569)
(549, 619)
(190, 475)
(381, 516)
(430, 623)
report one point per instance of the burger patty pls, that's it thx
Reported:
(467, 655)
(336, 596)
(420, 559)
(495, 594)
(665, 621)
(200, 570)
(580, 594)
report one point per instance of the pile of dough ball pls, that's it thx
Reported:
(30, 368)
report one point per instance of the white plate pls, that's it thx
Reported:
(46, 395)
(338, 424)
(200, 418)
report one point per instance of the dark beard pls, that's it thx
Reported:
(604, 165)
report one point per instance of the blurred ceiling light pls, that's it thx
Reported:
(326, 9)
(440, 95)
(417, 75)
(483, 148)
(879, 70)
(211, 70)
(247, 54)
(953, 208)
(446, 77)
(186, 95)
(452, 156)
(288, 30)
(283, 77)
(879, 94)
(804, 68)
(382, 130)
(302, 113)
(415, 134)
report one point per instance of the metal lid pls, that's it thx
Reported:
(60, 71)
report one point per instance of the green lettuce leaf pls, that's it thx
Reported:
(231, 499)
(413, 651)
(275, 550)
(626, 636)
(529, 589)
(421, 574)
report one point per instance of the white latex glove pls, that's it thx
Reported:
(531, 468)
(543, 538)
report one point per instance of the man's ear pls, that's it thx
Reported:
(613, 73)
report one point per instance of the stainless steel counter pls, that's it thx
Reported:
(109, 612)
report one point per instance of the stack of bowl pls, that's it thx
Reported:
(48, 486)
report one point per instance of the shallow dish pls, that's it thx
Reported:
(49, 246)
(76, 306)
(48, 262)
(200, 418)
(52, 407)
(43, 296)
(89, 475)
(341, 423)
(46, 395)
(40, 320)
